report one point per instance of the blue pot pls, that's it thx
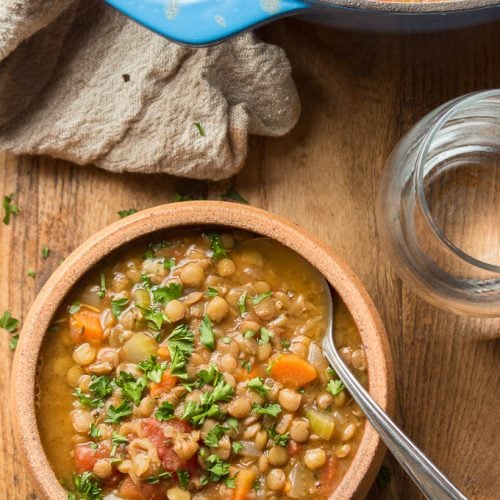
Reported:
(206, 22)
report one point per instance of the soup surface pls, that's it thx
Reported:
(191, 367)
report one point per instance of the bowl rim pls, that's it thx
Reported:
(370, 453)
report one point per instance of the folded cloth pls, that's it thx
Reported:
(82, 82)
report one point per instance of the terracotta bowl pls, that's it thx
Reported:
(366, 463)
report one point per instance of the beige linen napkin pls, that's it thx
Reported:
(82, 82)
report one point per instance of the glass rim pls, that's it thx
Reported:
(458, 105)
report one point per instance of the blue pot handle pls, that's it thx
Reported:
(205, 22)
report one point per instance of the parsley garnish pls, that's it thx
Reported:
(210, 376)
(152, 369)
(87, 400)
(237, 447)
(279, 439)
(45, 252)
(153, 248)
(165, 411)
(94, 431)
(146, 281)
(200, 128)
(257, 384)
(10, 208)
(75, 307)
(249, 334)
(14, 339)
(217, 468)
(118, 305)
(257, 299)
(265, 336)
(102, 289)
(118, 413)
(168, 263)
(285, 343)
(181, 338)
(272, 409)
(207, 336)
(212, 292)
(232, 424)
(241, 303)
(154, 317)
(233, 195)
(131, 387)
(218, 250)
(126, 213)
(117, 440)
(214, 435)
(226, 340)
(247, 365)
(183, 476)
(87, 486)
(164, 294)
(101, 386)
(335, 387)
(159, 477)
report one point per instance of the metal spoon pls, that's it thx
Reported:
(429, 479)
(431, 482)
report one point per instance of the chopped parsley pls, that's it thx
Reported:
(217, 468)
(164, 294)
(118, 305)
(163, 474)
(257, 299)
(14, 339)
(265, 336)
(45, 252)
(168, 263)
(233, 195)
(183, 476)
(117, 440)
(165, 411)
(102, 286)
(101, 386)
(214, 435)
(200, 128)
(131, 387)
(154, 317)
(237, 447)
(257, 384)
(335, 387)
(10, 208)
(87, 486)
(152, 369)
(247, 365)
(249, 334)
(118, 413)
(272, 410)
(279, 439)
(94, 431)
(153, 248)
(232, 424)
(146, 281)
(212, 292)
(218, 250)
(180, 345)
(207, 335)
(285, 343)
(241, 303)
(87, 400)
(126, 213)
(226, 340)
(75, 307)
(211, 376)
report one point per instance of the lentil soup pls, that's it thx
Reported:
(191, 367)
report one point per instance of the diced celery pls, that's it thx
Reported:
(322, 424)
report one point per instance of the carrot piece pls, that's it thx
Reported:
(244, 484)
(166, 384)
(86, 326)
(293, 371)
(163, 352)
(328, 474)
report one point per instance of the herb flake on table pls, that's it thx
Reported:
(126, 213)
(233, 195)
(200, 128)
(45, 252)
(10, 208)
(31, 273)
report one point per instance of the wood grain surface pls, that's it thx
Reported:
(360, 93)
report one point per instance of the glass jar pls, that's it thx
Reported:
(438, 207)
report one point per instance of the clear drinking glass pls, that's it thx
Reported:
(438, 208)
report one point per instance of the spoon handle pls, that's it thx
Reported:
(429, 479)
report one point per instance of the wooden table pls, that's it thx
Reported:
(360, 93)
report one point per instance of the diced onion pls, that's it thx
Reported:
(139, 347)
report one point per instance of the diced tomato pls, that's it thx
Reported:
(113, 481)
(144, 491)
(86, 456)
(170, 460)
(166, 384)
